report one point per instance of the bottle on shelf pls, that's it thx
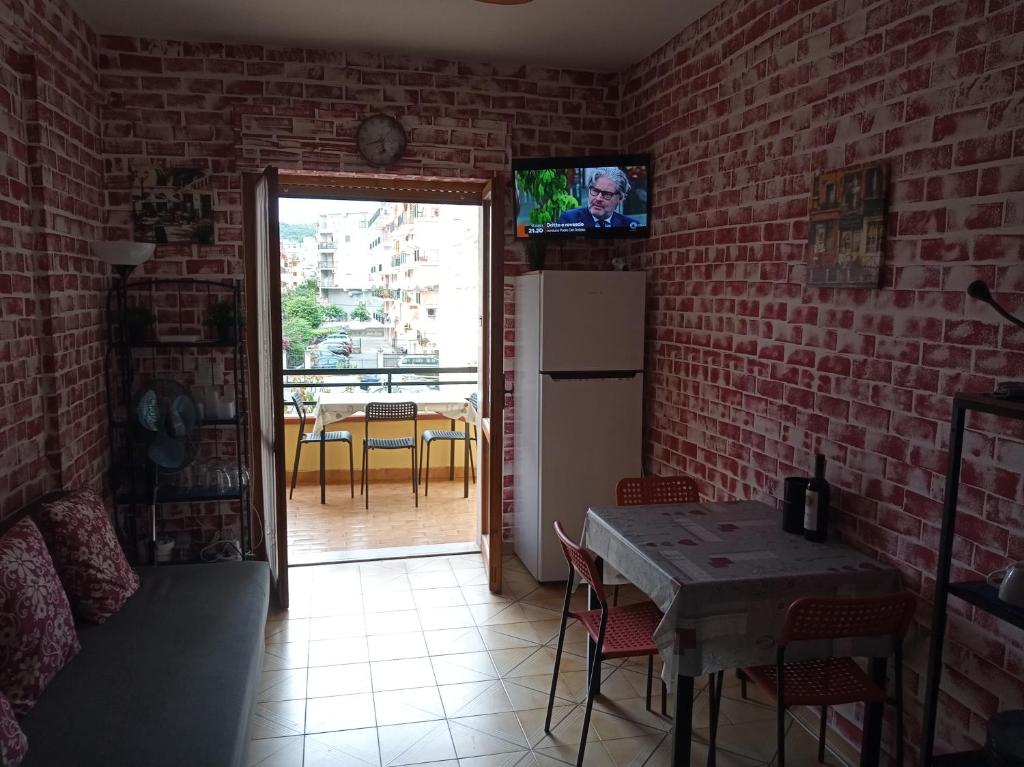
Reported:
(816, 503)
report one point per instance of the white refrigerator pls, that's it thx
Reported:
(579, 340)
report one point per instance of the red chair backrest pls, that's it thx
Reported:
(651, 491)
(581, 561)
(838, 617)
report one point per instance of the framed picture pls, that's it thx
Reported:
(846, 235)
(172, 205)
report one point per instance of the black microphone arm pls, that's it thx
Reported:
(979, 290)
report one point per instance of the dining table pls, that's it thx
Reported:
(335, 405)
(722, 574)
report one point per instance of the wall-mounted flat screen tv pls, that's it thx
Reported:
(593, 197)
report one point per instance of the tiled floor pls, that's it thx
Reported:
(327, 532)
(415, 662)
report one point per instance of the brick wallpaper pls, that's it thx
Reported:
(52, 413)
(752, 372)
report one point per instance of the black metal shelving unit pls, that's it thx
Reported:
(977, 593)
(180, 306)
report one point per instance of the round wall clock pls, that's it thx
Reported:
(381, 139)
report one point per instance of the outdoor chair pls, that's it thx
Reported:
(828, 682)
(323, 439)
(430, 436)
(388, 411)
(619, 632)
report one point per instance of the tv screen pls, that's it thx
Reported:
(596, 197)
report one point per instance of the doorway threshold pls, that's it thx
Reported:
(395, 552)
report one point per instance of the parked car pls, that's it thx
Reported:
(338, 343)
(369, 381)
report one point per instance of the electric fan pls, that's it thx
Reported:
(167, 423)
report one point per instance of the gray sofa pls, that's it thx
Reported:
(169, 680)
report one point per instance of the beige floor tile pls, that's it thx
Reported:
(542, 661)
(397, 622)
(277, 719)
(350, 748)
(337, 652)
(486, 734)
(474, 698)
(439, 597)
(397, 646)
(523, 698)
(402, 674)
(288, 684)
(495, 639)
(514, 759)
(348, 679)
(433, 579)
(415, 743)
(275, 752)
(434, 618)
(532, 721)
(285, 655)
(463, 667)
(421, 704)
(288, 630)
(451, 641)
(388, 600)
(336, 627)
(628, 752)
(508, 661)
(343, 712)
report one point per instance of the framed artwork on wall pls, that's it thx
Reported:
(172, 205)
(846, 232)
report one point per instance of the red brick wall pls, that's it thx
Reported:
(52, 415)
(752, 372)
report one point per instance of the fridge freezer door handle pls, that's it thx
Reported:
(575, 375)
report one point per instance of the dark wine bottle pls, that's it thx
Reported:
(816, 503)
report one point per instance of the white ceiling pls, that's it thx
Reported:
(598, 35)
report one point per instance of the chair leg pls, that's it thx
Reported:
(426, 482)
(415, 484)
(615, 596)
(451, 456)
(323, 468)
(366, 474)
(715, 707)
(558, 653)
(419, 472)
(472, 466)
(650, 679)
(351, 471)
(743, 682)
(595, 677)
(295, 469)
(664, 698)
(821, 734)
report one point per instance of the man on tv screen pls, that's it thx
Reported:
(606, 189)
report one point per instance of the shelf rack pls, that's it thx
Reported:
(977, 593)
(180, 305)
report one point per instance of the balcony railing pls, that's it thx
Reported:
(377, 379)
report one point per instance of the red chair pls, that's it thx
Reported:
(619, 632)
(828, 682)
(651, 491)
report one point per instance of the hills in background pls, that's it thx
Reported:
(296, 232)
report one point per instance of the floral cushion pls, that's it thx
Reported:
(37, 632)
(87, 555)
(13, 743)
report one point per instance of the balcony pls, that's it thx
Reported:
(342, 528)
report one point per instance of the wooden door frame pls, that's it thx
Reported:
(488, 194)
(259, 420)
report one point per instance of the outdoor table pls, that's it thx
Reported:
(723, 574)
(333, 406)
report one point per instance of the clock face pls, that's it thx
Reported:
(381, 140)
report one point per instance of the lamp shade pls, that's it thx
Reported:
(123, 252)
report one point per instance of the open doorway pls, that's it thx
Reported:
(380, 303)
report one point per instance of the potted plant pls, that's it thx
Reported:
(221, 315)
(138, 319)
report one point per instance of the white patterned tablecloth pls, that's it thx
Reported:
(333, 406)
(723, 574)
